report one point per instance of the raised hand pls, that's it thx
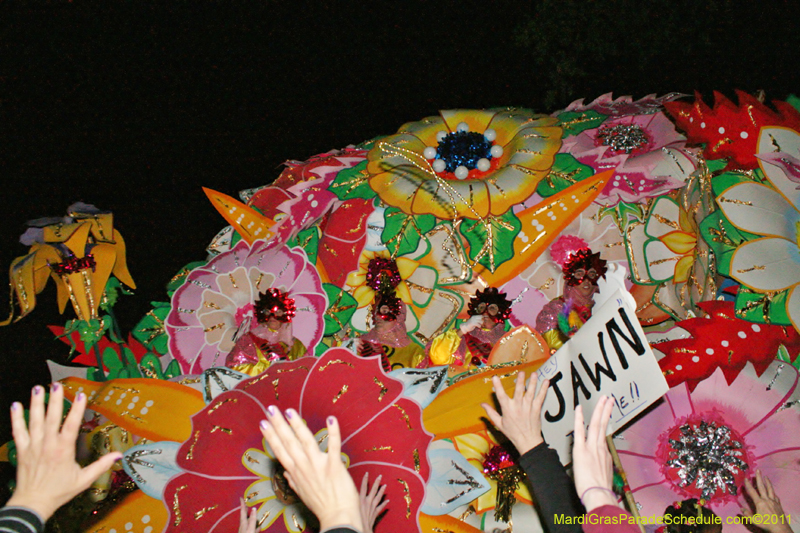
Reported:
(320, 479)
(371, 504)
(47, 474)
(591, 460)
(247, 522)
(766, 503)
(521, 420)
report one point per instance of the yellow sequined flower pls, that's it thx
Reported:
(464, 163)
(357, 280)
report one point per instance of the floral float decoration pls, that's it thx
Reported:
(702, 444)
(225, 459)
(647, 155)
(80, 252)
(695, 348)
(731, 131)
(666, 250)
(755, 235)
(217, 301)
(464, 163)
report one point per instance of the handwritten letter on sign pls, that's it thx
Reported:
(609, 356)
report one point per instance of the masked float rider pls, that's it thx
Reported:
(270, 339)
(470, 344)
(563, 316)
(388, 337)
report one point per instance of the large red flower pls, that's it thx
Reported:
(226, 458)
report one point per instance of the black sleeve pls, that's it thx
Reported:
(20, 520)
(553, 489)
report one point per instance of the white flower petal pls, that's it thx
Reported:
(759, 209)
(767, 264)
(661, 261)
(780, 140)
(664, 218)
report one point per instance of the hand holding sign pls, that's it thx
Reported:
(521, 420)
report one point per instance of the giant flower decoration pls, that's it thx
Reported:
(80, 252)
(703, 444)
(226, 458)
(648, 155)
(770, 263)
(501, 471)
(666, 251)
(216, 302)
(464, 163)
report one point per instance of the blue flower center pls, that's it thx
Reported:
(463, 148)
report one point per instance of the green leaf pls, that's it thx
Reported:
(723, 238)
(173, 370)
(763, 308)
(308, 240)
(150, 366)
(131, 365)
(340, 311)
(150, 329)
(352, 183)
(112, 363)
(491, 240)
(623, 213)
(574, 122)
(402, 231)
(565, 172)
(180, 278)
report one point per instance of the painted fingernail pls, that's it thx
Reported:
(271, 410)
(55, 386)
(37, 390)
(331, 420)
(290, 413)
(16, 406)
(264, 424)
(80, 397)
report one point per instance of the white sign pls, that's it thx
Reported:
(609, 355)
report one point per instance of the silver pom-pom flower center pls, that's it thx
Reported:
(706, 458)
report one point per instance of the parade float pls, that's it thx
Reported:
(643, 249)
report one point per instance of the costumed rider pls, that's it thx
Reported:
(388, 337)
(269, 339)
(563, 316)
(470, 344)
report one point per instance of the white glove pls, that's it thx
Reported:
(473, 322)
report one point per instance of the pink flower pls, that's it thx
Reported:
(751, 424)
(217, 300)
(649, 156)
(226, 458)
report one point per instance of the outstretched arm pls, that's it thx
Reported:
(47, 474)
(521, 422)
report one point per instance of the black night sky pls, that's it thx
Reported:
(134, 106)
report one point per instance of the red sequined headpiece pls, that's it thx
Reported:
(483, 300)
(275, 303)
(572, 253)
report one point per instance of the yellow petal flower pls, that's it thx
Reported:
(679, 241)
